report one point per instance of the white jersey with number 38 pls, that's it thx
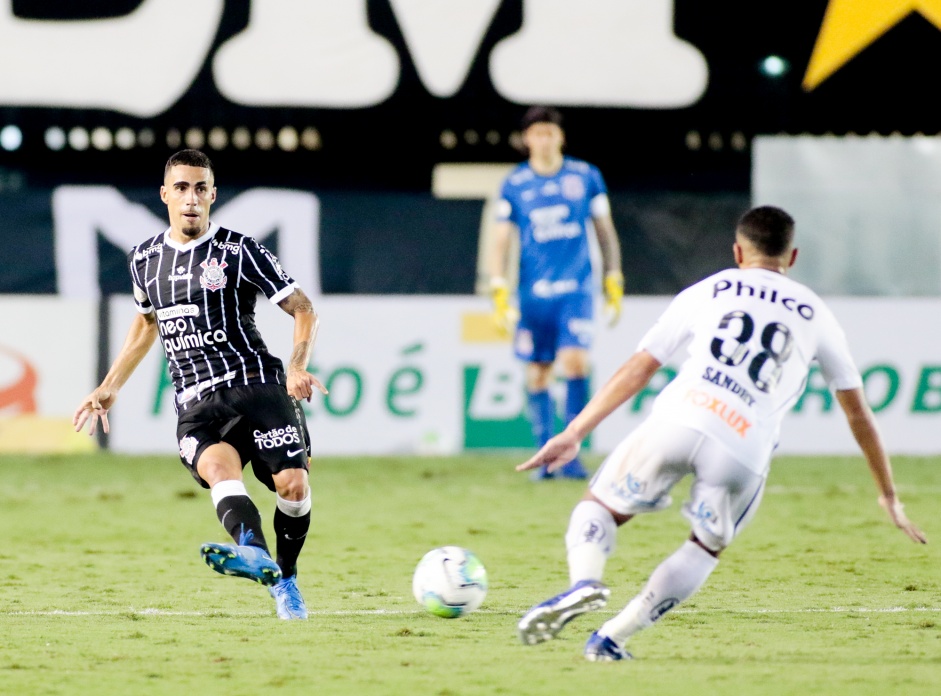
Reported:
(752, 335)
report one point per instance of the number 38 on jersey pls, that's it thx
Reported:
(733, 346)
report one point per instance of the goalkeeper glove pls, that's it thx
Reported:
(504, 316)
(613, 295)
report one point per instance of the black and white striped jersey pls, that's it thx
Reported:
(203, 293)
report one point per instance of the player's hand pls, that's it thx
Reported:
(896, 511)
(301, 385)
(505, 316)
(613, 296)
(559, 451)
(95, 407)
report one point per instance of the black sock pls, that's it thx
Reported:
(241, 520)
(291, 532)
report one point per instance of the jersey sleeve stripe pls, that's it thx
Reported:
(251, 257)
(281, 294)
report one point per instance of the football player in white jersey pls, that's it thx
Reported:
(752, 334)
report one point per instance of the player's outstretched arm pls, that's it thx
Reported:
(626, 382)
(95, 406)
(300, 383)
(863, 426)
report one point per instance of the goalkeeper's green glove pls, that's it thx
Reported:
(613, 296)
(504, 315)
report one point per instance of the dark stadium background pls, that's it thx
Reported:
(673, 204)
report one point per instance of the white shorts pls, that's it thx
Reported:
(638, 475)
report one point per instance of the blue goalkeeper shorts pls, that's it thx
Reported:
(548, 324)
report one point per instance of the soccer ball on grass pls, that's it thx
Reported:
(450, 581)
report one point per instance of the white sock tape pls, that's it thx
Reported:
(295, 508)
(224, 489)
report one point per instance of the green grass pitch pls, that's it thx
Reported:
(102, 590)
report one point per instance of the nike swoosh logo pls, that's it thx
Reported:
(291, 453)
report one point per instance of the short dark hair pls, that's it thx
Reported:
(541, 114)
(189, 158)
(770, 229)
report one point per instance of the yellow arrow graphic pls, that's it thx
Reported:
(849, 26)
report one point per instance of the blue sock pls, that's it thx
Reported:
(540, 416)
(576, 397)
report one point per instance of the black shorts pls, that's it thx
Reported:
(261, 421)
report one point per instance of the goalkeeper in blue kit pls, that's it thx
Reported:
(553, 202)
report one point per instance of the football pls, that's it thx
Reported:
(450, 581)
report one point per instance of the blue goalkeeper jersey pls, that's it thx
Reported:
(553, 214)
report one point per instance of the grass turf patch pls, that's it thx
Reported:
(102, 590)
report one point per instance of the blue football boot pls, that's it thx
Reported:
(542, 474)
(249, 562)
(288, 599)
(573, 470)
(603, 649)
(544, 621)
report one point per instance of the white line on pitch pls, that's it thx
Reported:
(412, 612)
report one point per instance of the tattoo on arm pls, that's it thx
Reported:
(297, 301)
(299, 356)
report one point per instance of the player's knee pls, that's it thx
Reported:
(537, 376)
(574, 363)
(219, 462)
(291, 484)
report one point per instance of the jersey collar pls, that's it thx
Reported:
(189, 246)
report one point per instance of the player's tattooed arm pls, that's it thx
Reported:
(299, 356)
(296, 302)
(301, 383)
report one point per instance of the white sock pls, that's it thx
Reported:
(674, 580)
(224, 489)
(590, 540)
(294, 508)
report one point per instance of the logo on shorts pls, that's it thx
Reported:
(632, 491)
(277, 437)
(213, 277)
(524, 342)
(582, 329)
(705, 515)
(188, 448)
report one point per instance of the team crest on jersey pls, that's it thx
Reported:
(213, 277)
(573, 187)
